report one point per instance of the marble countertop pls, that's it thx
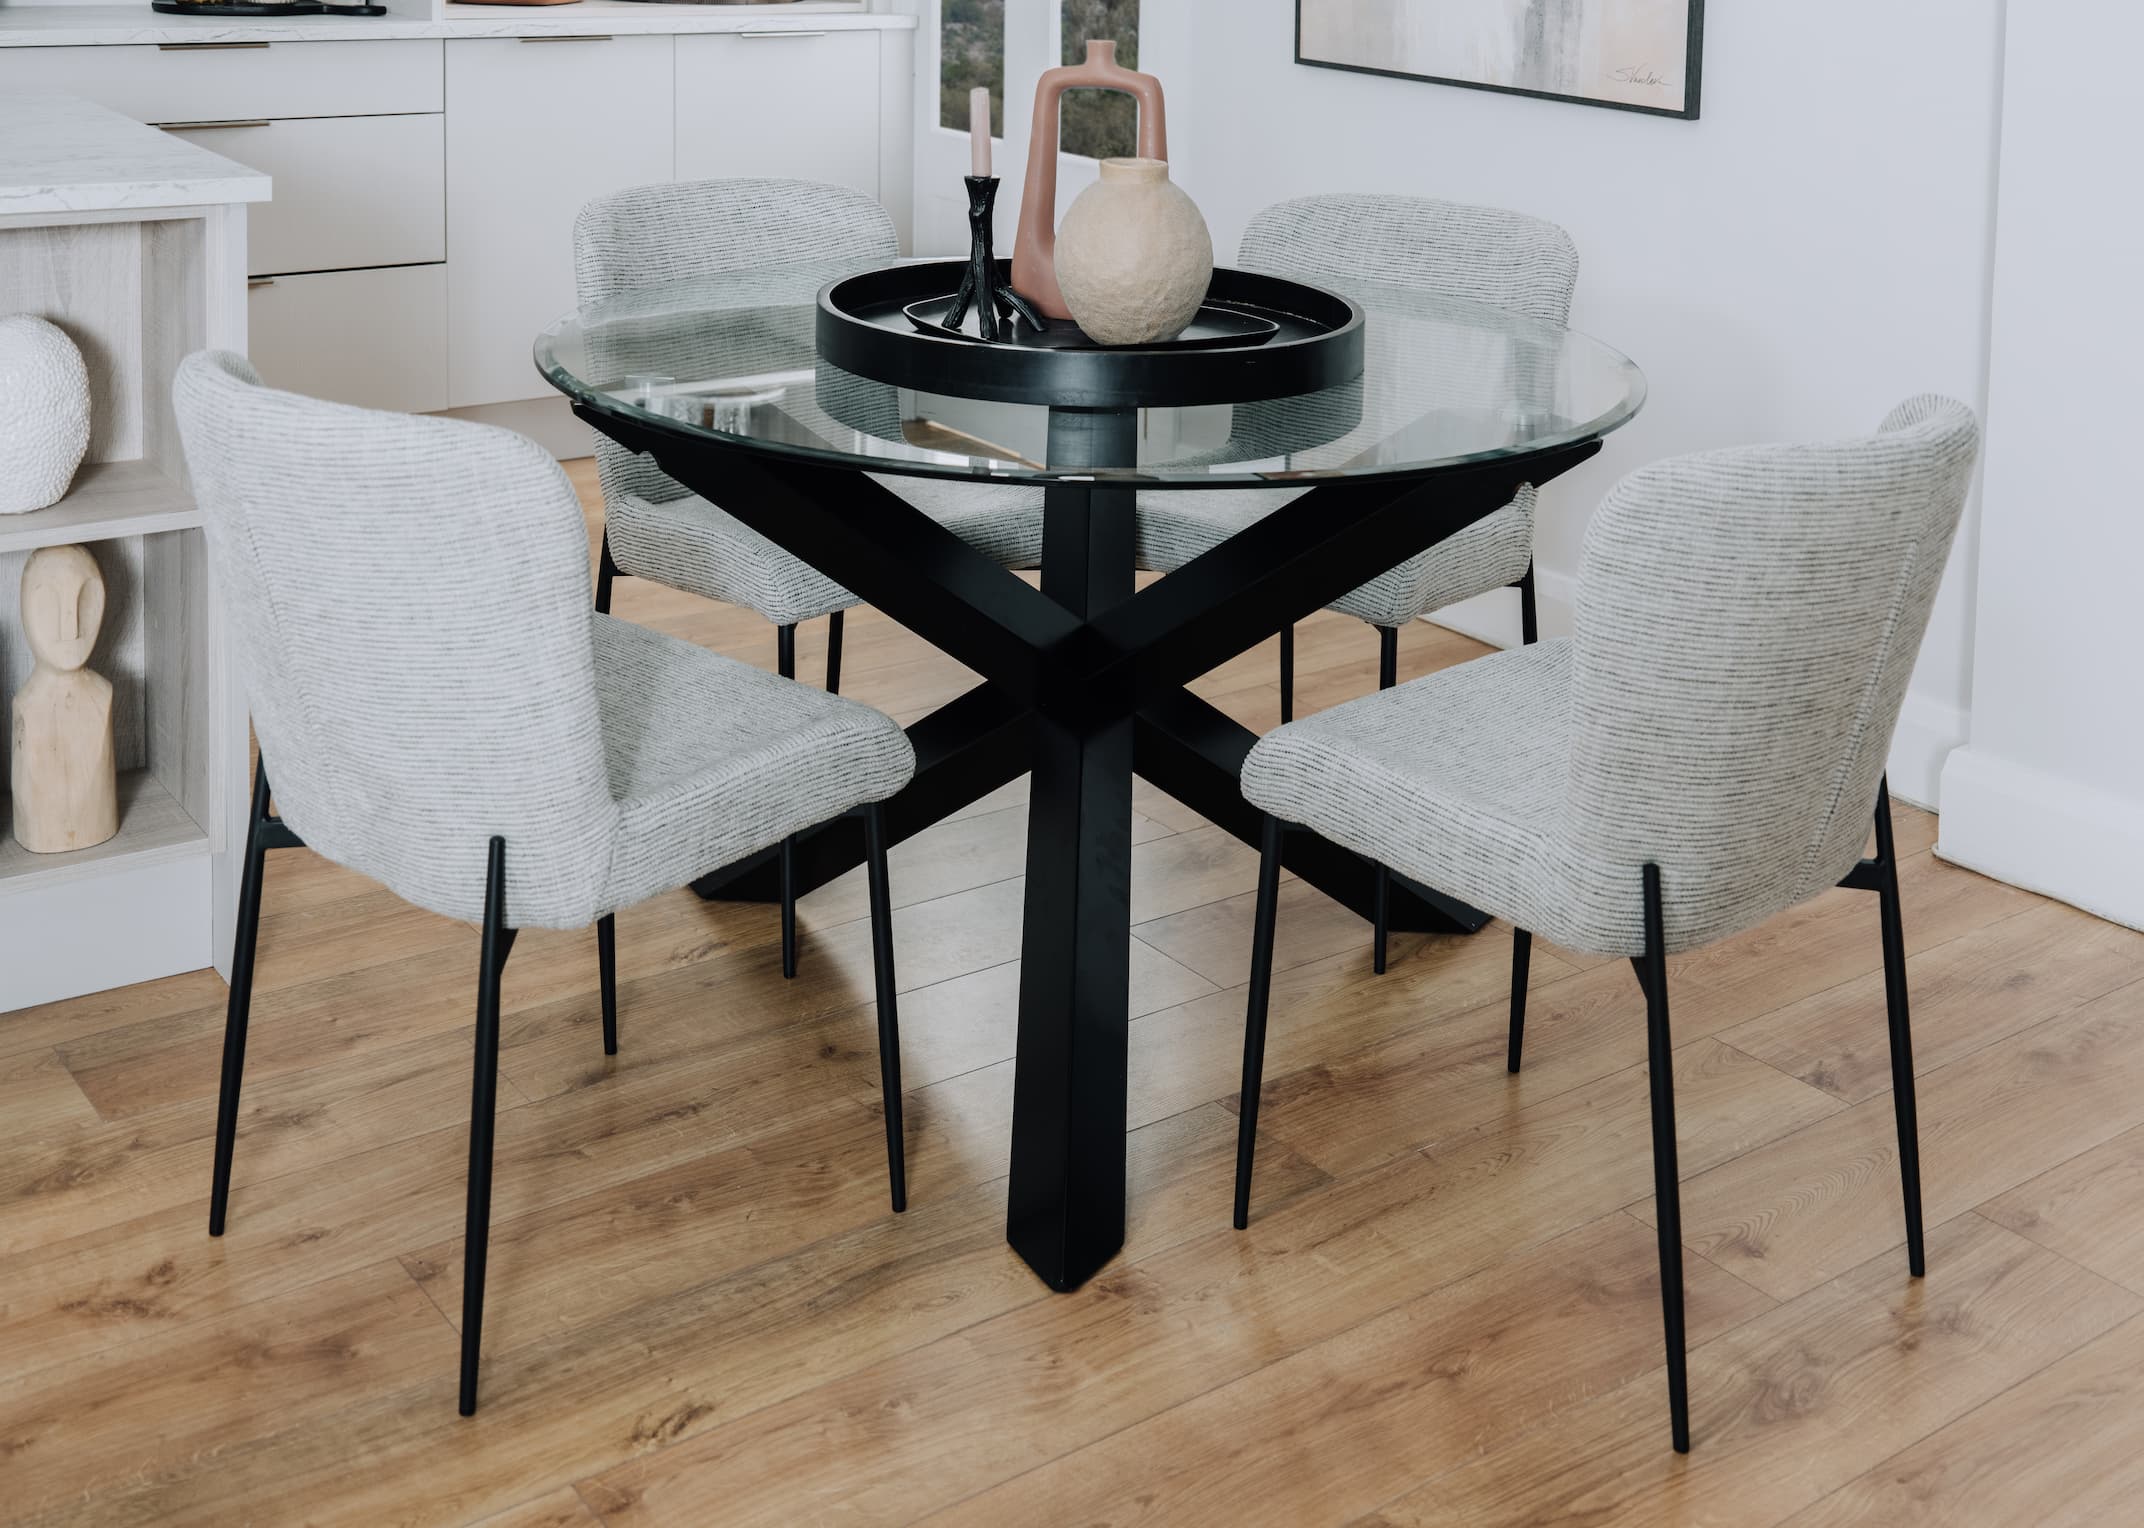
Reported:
(60, 153)
(57, 26)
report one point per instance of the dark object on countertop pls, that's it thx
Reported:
(257, 8)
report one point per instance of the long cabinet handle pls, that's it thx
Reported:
(256, 282)
(578, 37)
(204, 47)
(209, 127)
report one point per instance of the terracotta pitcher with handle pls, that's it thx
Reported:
(1034, 251)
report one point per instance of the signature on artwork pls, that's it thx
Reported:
(1639, 74)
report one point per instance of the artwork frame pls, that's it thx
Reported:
(1687, 110)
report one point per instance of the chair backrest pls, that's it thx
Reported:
(1482, 254)
(1746, 624)
(663, 234)
(409, 601)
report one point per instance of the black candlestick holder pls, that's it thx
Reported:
(979, 284)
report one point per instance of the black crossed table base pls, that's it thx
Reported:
(1083, 685)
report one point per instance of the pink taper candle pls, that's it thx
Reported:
(979, 129)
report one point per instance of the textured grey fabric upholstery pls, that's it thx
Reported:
(1747, 622)
(1480, 254)
(662, 234)
(410, 603)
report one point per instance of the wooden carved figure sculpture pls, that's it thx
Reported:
(64, 778)
(1034, 251)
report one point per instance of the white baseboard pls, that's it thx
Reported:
(1494, 617)
(2076, 843)
(1927, 730)
(550, 422)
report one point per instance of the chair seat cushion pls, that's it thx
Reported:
(1495, 551)
(1455, 780)
(690, 544)
(711, 760)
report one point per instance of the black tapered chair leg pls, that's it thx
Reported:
(607, 977)
(1652, 970)
(483, 1101)
(1894, 986)
(606, 570)
(1529, 614)
(889, 1022)
(785, 663)
(1388, 675)
(1522, 954)
(240, 1005)
(1254, 1020)
(833, 653)
(1287, 673)
(1380, 919)
(789, 906)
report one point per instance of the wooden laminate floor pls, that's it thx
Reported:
(1445, 1310)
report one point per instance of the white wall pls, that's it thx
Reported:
(1814, 249)
(2049, 793)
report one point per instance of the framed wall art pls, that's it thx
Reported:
(1634, 55)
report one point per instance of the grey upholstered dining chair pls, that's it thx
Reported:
(1704, 752)
(1480, 254)
(653, 527)
(446, 714)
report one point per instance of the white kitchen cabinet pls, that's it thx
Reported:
(377, 338)
(349, 191)
(537, 127)
(780, 102)
(223, 81)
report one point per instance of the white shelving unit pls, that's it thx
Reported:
(134, 243)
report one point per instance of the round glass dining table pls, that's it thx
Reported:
(721, 381)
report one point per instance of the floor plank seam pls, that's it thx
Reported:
(1655, 1376)
(402, 1262)
(1771, 1301)
(588, 1506)
(1840, 1105)
(1250, 1374)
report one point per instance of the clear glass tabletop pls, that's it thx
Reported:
(1444, 383)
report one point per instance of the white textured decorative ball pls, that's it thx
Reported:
(44, 413)
(1134, 258)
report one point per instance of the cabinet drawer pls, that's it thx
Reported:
(377, 339)
(349, 191)
(789, 103)
(192, 82)
(539, 129)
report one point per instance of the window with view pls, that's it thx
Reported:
(1101, 124)
(971, 52)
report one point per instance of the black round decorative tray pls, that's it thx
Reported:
(1314, 341)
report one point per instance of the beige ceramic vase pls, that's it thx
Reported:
(1134, 258)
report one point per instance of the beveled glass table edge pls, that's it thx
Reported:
(952, 468)
(977, 471)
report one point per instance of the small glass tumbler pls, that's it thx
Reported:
(648, 390)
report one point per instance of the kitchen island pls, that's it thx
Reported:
(133, 241)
